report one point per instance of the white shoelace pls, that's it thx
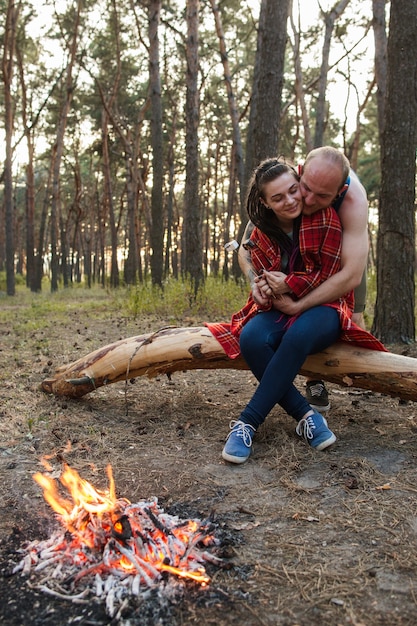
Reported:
(305, 427)
(240, 429)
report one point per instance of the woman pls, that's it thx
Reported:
(296, 253)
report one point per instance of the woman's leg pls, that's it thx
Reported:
(260, 338)
(311, 332)
(259, 341)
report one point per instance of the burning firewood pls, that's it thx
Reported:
(171, 350)
(112, 549)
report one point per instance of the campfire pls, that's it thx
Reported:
(113, 549)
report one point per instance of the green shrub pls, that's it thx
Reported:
(216, 299)
(19, 281)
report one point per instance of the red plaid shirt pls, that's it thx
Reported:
(320, 240)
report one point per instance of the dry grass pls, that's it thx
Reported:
(315, 538)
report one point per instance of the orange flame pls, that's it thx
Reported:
(83, 494)
(126, 564)
(94, 518)
(199, 576)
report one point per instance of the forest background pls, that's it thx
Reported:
(131, 129)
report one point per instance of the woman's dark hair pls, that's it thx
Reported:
(260, 215)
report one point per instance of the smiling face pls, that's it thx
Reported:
(283, 196)
(320, 184)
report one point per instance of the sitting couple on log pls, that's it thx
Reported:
(302, 282)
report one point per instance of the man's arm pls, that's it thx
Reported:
(244, 257)
(245, 263)
(353, 215)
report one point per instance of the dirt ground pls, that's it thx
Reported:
(310, 537)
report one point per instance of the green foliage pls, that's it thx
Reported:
(112, 66)
(20, 280)
(369, 167)
(370, 298)
(216, 299)
(37, 311)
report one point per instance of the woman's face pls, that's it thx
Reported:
(283, 196)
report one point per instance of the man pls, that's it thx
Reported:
(325, 180)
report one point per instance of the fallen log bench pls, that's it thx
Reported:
(175, 349)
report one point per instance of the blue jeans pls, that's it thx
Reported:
(275, 355)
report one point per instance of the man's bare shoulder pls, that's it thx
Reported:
(353, 212)
(356, 188)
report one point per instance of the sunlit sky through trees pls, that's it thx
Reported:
(351, 54)
(343, 101)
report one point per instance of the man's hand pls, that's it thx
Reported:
(287, 305)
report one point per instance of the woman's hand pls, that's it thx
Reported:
(273, 284)
(268, 286)
(258, 293)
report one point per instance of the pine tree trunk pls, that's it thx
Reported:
(192, 248)
(394, 319)
(7, 74)
(157, 226)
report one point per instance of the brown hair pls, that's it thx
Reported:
(267, 170)
(260, 215)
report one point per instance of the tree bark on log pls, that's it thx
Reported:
(171, 350)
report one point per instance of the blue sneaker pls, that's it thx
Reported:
(315, 431)
(238, 442)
